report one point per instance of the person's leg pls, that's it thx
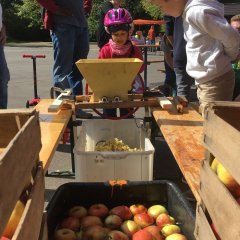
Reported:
(183, 81)
(170, 81)
(4, 78)
(81, 50)
(63, 49)
(110, 112)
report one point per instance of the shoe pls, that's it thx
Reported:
(84, 115)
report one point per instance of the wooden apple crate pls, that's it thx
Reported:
(20, 144)
(222, 140)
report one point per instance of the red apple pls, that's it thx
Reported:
(176, 236)
(155, 210)
(89, 221)
(227, 179)
(113, 222)
(164, 219)
(238, 200)
(143, 235)
(4, 238)
(170, 229)
(95, 233)
(14, 220)
(78, 212)
(143, 219)
(130, 227)
(64, 234)
(137, 208)
(72, 223)
(122, 211)
(117, 235)
(98, 210)
(155, 231)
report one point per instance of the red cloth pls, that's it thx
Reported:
(51, 8)
(106, 52)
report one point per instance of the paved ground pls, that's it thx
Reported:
(21, 90)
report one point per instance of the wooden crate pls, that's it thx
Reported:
(222, 140)
(202, 225)
(222, 134)
(20, 144)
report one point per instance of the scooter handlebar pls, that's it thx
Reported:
(33, 56)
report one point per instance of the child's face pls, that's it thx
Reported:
(236, 25)
(171, 7)
(120, 37)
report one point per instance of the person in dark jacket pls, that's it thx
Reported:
(102, 36)
(67, 20)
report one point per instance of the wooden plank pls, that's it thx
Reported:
(165, 103)
(52, 127)
(30, 223)
(17, 162)
(44, 230)
(220, 204)
(125, 104)
(10, 123)
(203, 230)
(57, 103)
(183, 134)
(222, 138)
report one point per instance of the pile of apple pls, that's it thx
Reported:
(119, 223)
(226, 178)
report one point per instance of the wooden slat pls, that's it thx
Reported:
(52, 128)
(222, 136)
(165, 103)
(16, 162)
(30, 223)
(126, 104)
(44, 230)
(203, 230)
(183, 134)
(220, 204)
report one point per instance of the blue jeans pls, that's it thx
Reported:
(70, 43)
(184, 82)
(4, 78)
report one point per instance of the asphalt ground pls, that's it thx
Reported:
(21, 89)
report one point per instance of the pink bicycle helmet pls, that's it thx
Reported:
(116, 17)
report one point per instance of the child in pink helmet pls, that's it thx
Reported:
(118, 22)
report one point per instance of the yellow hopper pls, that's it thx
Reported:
(109, 77)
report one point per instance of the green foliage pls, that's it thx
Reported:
(23, 16)
(29, 11)
(152, 10)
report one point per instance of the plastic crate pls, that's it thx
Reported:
(145, 192)
(93, 166)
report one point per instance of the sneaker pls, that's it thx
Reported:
(84, 115)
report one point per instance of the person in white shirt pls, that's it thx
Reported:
(212, 45)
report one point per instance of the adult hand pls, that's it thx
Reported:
(63, 12)
(180, 102)
(3, 35)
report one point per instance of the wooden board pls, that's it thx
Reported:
(52, 127)
(222, 135)
(30, 223)
(183, 134)
(44, 230)
(222, 207)
(16, 162)
(203, 230)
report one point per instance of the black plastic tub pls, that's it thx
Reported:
(148, 193)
